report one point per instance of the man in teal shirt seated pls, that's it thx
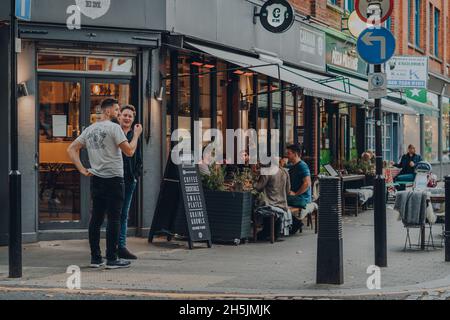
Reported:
(300, 176)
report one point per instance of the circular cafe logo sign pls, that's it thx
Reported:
(277, 16)
(93, 8)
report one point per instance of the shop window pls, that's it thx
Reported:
(431, 139)
(120, 65)
(246, 100)
(222, 83)
(84, 62)
(62, 63)
(263, 106)
(276, 105)
(446, 130)
(184, 94)
(205, 96)
(290, 118)
(325, 152)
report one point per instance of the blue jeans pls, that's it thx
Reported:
(129, 191)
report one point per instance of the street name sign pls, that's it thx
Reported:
(368, 8)
(407, 72)
(23, 9)
(376, 45)
(377, 86)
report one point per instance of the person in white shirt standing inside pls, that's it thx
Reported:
(105, 142)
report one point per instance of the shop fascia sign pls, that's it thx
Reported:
(276, 16)
(92, 9)
(312, 48)
(407, 72)
(344, 59)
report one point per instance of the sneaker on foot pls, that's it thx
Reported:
(117, 264)
(125, 254)
(97, 263)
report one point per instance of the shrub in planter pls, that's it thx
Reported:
(229, 212)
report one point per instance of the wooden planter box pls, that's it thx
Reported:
(229, 215)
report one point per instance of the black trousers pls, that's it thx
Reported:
(108, 196)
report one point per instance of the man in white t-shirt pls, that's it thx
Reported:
(105, 142)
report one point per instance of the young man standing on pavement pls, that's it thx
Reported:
(105, 142)
(300, 176)
(132, 171)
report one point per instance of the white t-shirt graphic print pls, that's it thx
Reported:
(102, 140)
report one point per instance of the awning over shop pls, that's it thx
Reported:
(294, 76)
(360, 88)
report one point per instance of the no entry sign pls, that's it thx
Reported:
(367, 8)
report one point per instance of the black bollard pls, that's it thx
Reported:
(330, 266)
(447, 219)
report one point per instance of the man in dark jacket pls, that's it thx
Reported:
(408, 164)
(132, 171)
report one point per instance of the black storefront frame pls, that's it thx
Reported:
(232, 98)
(84, 80)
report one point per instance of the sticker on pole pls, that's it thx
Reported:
(367, 9)
(376, 45)
(377, 86)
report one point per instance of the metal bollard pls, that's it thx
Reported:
(447, 219)
(330, 266)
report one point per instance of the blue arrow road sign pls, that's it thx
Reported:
(376, 45)
(23, 9)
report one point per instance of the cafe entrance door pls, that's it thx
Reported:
(66, 107)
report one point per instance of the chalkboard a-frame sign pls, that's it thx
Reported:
(181, 192)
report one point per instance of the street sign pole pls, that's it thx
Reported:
(15, 179)
(379, 190)
(376, 45)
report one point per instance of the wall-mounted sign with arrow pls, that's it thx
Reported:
(376, 45)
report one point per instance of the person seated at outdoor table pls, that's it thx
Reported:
(241, 165)
(275, 188)
(408, 164)
(300, 177)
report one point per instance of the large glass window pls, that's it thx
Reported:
(222, 85)
(437, 19)
(263, 103)
(78, 63)
(431, 139)
(184, 94)
(417, 16)
(276, 105)
(446, 129)
(205, 96)
(59, 126)
(290, 117)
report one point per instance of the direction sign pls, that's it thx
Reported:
(368, 8)
(23, 9)
(376, 45)
(377, 86)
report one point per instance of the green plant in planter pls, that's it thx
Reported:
(214, 181)
(243, 180)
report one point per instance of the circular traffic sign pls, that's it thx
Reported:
(277, 16)
(355, 25)
(376, 45)
(362, 8)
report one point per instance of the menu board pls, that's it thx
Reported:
(181, 187)
(194, 202)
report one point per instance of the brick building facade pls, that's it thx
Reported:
(421, 28)
(330, 12)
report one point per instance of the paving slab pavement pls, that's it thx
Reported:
(284, 269)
